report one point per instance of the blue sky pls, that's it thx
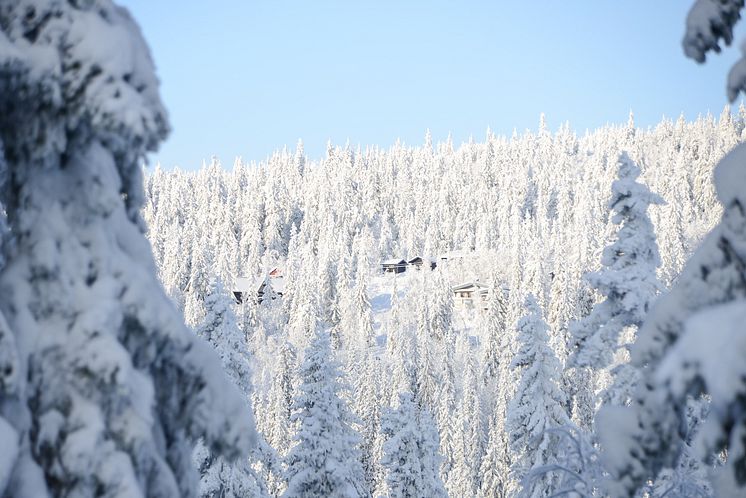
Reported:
(246, 77)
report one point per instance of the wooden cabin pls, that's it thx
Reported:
(274, 287)
(394, 266)
(243, 288)
(418, 263)
(256, 288)
(471, 295)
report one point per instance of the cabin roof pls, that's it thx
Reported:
(394, 261)
(424, 259)
(245, 284)
(278, 285)
(471, 286)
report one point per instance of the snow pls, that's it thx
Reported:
(245, 284)
(105, 387)
(614, 429)
(730, 176)
(9, 453)
(712, 347)
(736, 82)
(707, 22)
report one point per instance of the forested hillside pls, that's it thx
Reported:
(526, 216)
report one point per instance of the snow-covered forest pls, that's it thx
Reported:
(542, 214)
(542, 315)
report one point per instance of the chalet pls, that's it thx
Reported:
(471, 295)
(243, 287)
(418, 263)
(274, 287)
(276, 272)
(256, 288)
(394, 266)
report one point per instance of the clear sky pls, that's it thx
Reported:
(246, 77)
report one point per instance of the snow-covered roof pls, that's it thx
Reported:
(424, 259)
(471, 286)
(394, 262)
(244, 284)
(278, 285)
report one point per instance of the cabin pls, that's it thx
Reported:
(247, 288)
(471, 295)
(394, 266)
(274, 287)
(276, 272)
(418, 263)
(243, 287)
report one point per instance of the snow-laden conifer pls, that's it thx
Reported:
(688, 333)
(627, 279)
(410, 455)
(219, 478)
(325, 460)
(115, 390)
(538, 404)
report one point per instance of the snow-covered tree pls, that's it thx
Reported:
(410, 451)
(219, 478)
(495, 467)
(344, 214)
(627, 278)
(538, 404)
(325, 460)
(115, 389)
(708, 22)
(689, 346)
(464, 477)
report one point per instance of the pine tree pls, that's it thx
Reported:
(538, 404)
(116, 390)
(368, 409)
(627, 278)
(218, 477)
(684, 347)
(325, 460)
(410, 451)
(464, 478)
(496, 479)
(628, 282)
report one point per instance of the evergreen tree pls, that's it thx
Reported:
(627, 279)
(683, 347)
(116, 390)
(221, 479)
(496, 479)
(410, 451)
(464, 478)
(538, 404)
(325, 460)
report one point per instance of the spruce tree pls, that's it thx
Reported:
(538, 404)
(116, 390)
(219, 478)
(325, 460)
(627, 279)
(686, 350)
(410, 451)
